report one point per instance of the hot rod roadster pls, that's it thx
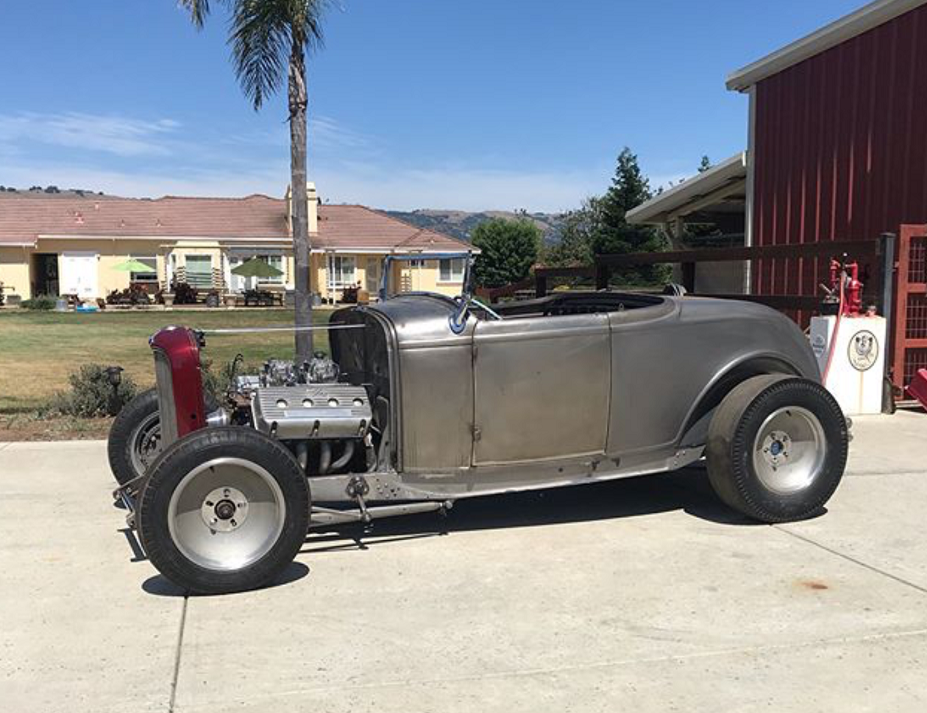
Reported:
(426, 399)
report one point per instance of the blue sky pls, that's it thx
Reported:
(473, 105)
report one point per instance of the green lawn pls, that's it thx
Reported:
(38, 350)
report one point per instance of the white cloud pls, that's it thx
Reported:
(270, 178)
(326, 133)
(380, 187)
(347, 166)
(118, 135)
(455, 187)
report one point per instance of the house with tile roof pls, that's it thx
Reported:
(63, 245)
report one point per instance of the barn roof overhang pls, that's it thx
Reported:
(847, 27)
(720, 189)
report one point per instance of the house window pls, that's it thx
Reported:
(199, 271)
(274, 261)
(148, 275)
(451, 270)
(340, 272)
(417, 264)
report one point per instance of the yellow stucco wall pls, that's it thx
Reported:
(14, 272)
(16, 265)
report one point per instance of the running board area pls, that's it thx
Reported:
(326, 517)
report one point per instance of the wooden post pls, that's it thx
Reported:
(885, 254)
(602, 275)
(540, 284)
(688, 276)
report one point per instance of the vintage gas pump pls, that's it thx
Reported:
(849, 342)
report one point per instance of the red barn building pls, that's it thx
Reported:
(837, 150)
(838, 137)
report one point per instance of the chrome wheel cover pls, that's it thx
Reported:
(145, 442)
(789, 450)
(226, 514)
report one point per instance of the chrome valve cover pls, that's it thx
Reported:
(312, 411)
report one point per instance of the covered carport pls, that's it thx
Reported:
(707, 211)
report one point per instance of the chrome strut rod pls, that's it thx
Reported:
(264, 330)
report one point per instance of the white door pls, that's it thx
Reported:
(79, 274)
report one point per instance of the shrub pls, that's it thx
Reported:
(39, 302)
(91, 394)
(184, 293)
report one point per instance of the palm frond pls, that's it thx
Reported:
(198, 10)
(262, 36)
(260, 46)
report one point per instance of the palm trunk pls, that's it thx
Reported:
(298, 102)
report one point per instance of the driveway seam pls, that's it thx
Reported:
(854, 560)
(177, 655)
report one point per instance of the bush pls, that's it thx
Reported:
(133, 295)
(91, 394)
(184, 293)
(39, 302)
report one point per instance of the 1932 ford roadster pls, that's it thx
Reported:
(428, 399)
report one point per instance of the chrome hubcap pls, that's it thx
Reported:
(146, 443)
(226, 514)
(789, 450)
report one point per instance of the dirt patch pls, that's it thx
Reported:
(25, 427)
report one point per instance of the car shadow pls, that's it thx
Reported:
(160, 586)
(687, 490)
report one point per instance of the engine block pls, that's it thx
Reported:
(313, 411)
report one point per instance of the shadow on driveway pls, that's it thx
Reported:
(687, 490)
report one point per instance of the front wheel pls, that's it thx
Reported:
(777, 448)
(224, 509)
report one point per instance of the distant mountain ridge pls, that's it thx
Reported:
(460, 223)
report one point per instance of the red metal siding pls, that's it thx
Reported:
(840, 149)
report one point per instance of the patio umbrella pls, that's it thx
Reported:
(255, 267)
(132, 265)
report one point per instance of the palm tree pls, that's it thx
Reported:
(269, 40)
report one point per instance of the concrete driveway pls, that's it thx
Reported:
(640, 595)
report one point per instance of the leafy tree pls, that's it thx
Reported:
(576, 236)
(615, 235)
(508, 248)
(269, 40)
(704, 164)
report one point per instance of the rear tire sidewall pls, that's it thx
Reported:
(184, 456)
(123, 433)
(743, 488)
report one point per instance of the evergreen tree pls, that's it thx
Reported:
(615, 235)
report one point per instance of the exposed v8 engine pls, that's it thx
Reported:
(313, 411)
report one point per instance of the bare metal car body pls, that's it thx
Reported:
(562, 390)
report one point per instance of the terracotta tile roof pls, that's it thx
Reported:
(22, 220)
(347, 226)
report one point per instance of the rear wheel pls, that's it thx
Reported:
(777, 448)
(135, 437)
(224, 509)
